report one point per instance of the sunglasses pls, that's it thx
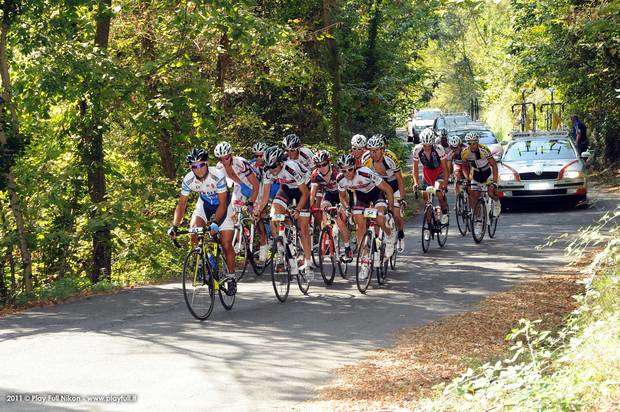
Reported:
(347, 170)
(198, 165)
(270, 167)
(322, 164)
(258, 155)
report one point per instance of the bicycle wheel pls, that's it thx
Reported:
(242, 257)
(280, 271)
(479, 221)
(302, 279)
(427, 232)
(393, 259)
(227, 283)
(327, 257)
(462, 220)
(364, 263)
(253, 253)
(198, 290)
(343, 267)
(442, 233)
(492, 220)
(315, 230)
(382, 270)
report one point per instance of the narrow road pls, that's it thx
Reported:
(262, 355)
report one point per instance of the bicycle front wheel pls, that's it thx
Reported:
(302, 276)
(364, 263)
(462, 220)
(382, 269)
(479, 221)
(198, 289)
(226, 283)
(492, 220)
(327, 257)
(280, 271)
(427, 232)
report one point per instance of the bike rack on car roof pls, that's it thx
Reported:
(560, 133)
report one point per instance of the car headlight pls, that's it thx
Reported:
(573, 174)
(507, 177)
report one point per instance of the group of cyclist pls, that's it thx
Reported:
(296, 180)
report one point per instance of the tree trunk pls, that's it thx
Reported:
(334, 66)
(13, 130)
(93, 158)
(164, 140)
(223, 60)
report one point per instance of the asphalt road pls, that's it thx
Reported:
(262, 355)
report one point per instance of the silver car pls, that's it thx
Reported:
(539, 165)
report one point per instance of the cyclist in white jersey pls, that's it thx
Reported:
(369, 188)
(213, 203)
(295, 151)
(293, 182)
(239, 170)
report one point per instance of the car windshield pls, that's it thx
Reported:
(547, 149)
(427, 114)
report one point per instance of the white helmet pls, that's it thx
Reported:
(358, 141)
(376, 142)
(472, 137)
(222, 149)
(259, 147)
(454, 140)
(427, 136)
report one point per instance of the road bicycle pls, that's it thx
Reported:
(371, 256)
(461, 208)
(287, 256)
(330, 247)
(483, 219)
(399, 248)
(431, 221)
(246, 241)
(205, 272)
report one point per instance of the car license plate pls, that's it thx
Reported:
(540, 186)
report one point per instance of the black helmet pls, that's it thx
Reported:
(197, 154)
(346, 161)
(291, 142)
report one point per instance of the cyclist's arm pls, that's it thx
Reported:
(493, 165)
(222, 208)
(401, 184)
(387, 189)
(255, 187)
(344, 199)
(415, 171)
(305, 194)
(446, 172)
(313, 189)
(179, 211)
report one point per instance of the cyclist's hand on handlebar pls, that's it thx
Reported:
(172, 232)
(295, 213)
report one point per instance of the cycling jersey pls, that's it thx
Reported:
(327, 183)
(390, 163)
(478, 160)
(454, 154)
(291, 175)
(208, 188)
(260, 173)
(305, 158)
(363, 181)
(242, 170)
(431, 162)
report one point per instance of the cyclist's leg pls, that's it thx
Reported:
(226, 237)
(304, 229)
(358, 215)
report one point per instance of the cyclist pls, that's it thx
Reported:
(239, 170)
(295, 151)
(442, 139)
(266, 195)
(479, 167)
(293, 186)
(386, 164)
(434, 169)
(358, 148)
(369, 188)
(213, 203)
(324, 191)
(455, 161)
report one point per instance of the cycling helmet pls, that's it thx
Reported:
(427, 136)
(346, 161)
(196, 155)
(321, 156)
(454, 141)
(273, 156)
(291, 142)
(222, 149)
(259, 147)
(376, 142)
(358, 141)
(472, 137)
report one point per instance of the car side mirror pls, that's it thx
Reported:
(586, 154)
